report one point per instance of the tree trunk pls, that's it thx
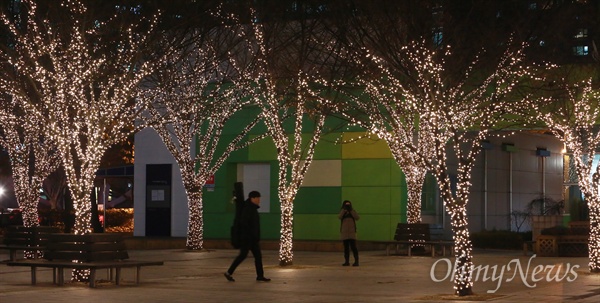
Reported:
(594, 239)
(463, 283)
(414, 185)
(286, 198)
(195, 234)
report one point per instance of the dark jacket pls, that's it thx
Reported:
(250, 223)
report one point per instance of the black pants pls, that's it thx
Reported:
(255, 248)
(350, 243)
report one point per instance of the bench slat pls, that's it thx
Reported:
(89, 238)
(85, 246)
(92, 251)
(84, 256)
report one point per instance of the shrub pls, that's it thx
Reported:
(119, 220)
(499, 239)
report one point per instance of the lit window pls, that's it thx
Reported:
(580, 50)
(581, 33)
(438, 37)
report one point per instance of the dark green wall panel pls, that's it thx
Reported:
(318, 200)
(218, 226)
(316, 227)
(376, 227)
(270, 226)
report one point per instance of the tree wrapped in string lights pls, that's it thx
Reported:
(33, 157)
(77, 76)
(196, 90)
(573, 117)
(390, 122)
(294, 101)
(453, 113)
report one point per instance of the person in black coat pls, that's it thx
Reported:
(250, 238)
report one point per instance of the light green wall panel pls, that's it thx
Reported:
(316, 227)
(366, 172)
(318, 200)
(327, 148)
(398, 202)
(323, 173)
(372, 200)
(396, 175)
(370, 148)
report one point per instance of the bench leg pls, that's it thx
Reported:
(432, 247)
(60, 275)
(409, 250)
(92, 277)
(33, 275)
(137, 275)
(117, 275)
(13, 255)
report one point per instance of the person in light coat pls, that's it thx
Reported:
(348, 217)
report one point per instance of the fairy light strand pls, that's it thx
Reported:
(425, 120)
(82, 88)
(196, 94)
(573, 119)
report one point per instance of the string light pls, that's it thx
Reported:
(425, 118)
(296, 97)
(574, 119)
(32, 159)
(196, 92)
(77, 85)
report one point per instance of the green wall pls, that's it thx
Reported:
(362, 171)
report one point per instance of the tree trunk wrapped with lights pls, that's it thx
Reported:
(32, 158)
(452, 115)
(294, 97)
(197, 89)
(573, 117)
(77, 77)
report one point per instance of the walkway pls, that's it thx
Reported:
(315, 277)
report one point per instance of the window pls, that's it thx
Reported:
(438, 37)
(581, 50)
(581, 33)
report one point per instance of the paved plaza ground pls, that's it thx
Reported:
(315, 277)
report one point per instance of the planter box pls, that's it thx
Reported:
(542, 222)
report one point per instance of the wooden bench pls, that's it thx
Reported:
(413, 235)
(86, 252)
(30, 240)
